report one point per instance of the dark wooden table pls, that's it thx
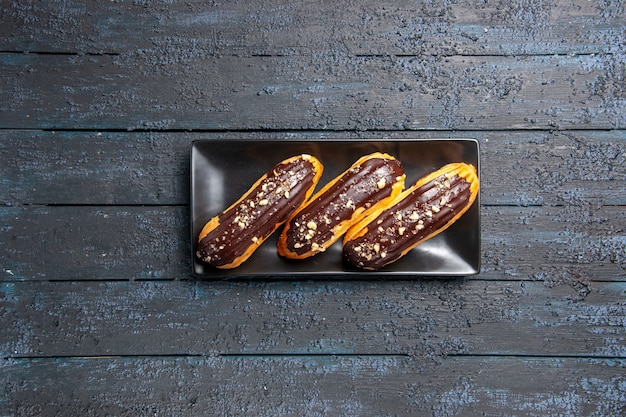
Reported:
(100, 312)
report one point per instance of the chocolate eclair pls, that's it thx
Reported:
(229, 238)
(370, 183)
(420, 212)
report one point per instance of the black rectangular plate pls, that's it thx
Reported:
(223, 170)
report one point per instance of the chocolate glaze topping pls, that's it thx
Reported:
(361, 186)
(415, 217)
(256, 216)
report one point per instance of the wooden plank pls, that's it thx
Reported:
(439, 27)
(554, 168)
(564, 244)
(517, 168)
(326, 91)
(314, 386)
(94, 168)
(79, 242)
(554, 244)
(421, 317)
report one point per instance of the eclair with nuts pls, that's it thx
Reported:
(369, 184)
(421, 212)
(232, 236)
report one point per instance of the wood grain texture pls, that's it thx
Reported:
(423, 318)
(97, 168)
(152, 168)
(100, 103)
(276, 27)
(79, 242)
(555, 244)
(327, 91)
(294, 386)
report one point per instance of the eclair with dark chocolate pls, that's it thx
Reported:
(369, 184)
(232, 236)
(419, 213)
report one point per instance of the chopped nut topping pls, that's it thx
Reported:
(317, 248)
(414, 215)
(263, 202)
(401, 230)
(376, 247)
(287, 194)
(381, 183)
(436, 209)
(312, 225)
(429, 213)
(255, 239)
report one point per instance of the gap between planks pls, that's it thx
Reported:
(252, 356)
(537, 129)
